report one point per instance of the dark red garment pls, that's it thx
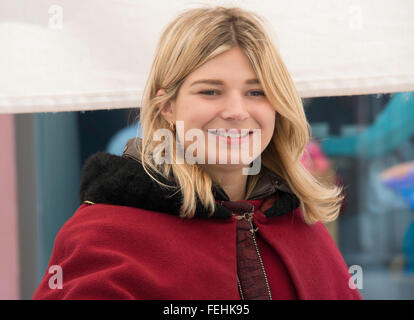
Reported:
(253, 282)
(132, 244)
(120, 252)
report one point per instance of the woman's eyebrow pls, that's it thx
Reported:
(221, 83)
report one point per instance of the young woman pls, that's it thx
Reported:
(150, 229)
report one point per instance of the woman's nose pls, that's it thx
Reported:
(235, 109)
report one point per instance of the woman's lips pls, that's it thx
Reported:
(230, 140)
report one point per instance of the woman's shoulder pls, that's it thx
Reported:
(292, 230)
(106, 178)
(110, 227)
(98, 217)
(123, 181)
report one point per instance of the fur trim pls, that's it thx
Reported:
(111, 179)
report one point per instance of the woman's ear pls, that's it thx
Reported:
(166, 108)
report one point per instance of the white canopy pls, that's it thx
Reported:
(67, 55)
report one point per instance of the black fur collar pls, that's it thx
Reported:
(111, 179)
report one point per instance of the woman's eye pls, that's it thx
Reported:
(206, 92)
(259, 93)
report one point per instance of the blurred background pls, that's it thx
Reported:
(71, 84)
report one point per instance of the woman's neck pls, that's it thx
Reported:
(233, 182)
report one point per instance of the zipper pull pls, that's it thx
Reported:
(248, 216)
(250, 220)
(254, 230)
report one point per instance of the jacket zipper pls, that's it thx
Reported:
(253, 231)
(240, 289)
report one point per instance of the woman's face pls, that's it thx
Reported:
(230, 99)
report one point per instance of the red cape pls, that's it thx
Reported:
(120, 252)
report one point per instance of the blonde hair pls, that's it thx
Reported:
(197, 36)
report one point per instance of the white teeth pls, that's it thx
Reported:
(231, 135)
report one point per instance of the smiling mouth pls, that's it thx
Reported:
(232, 134)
